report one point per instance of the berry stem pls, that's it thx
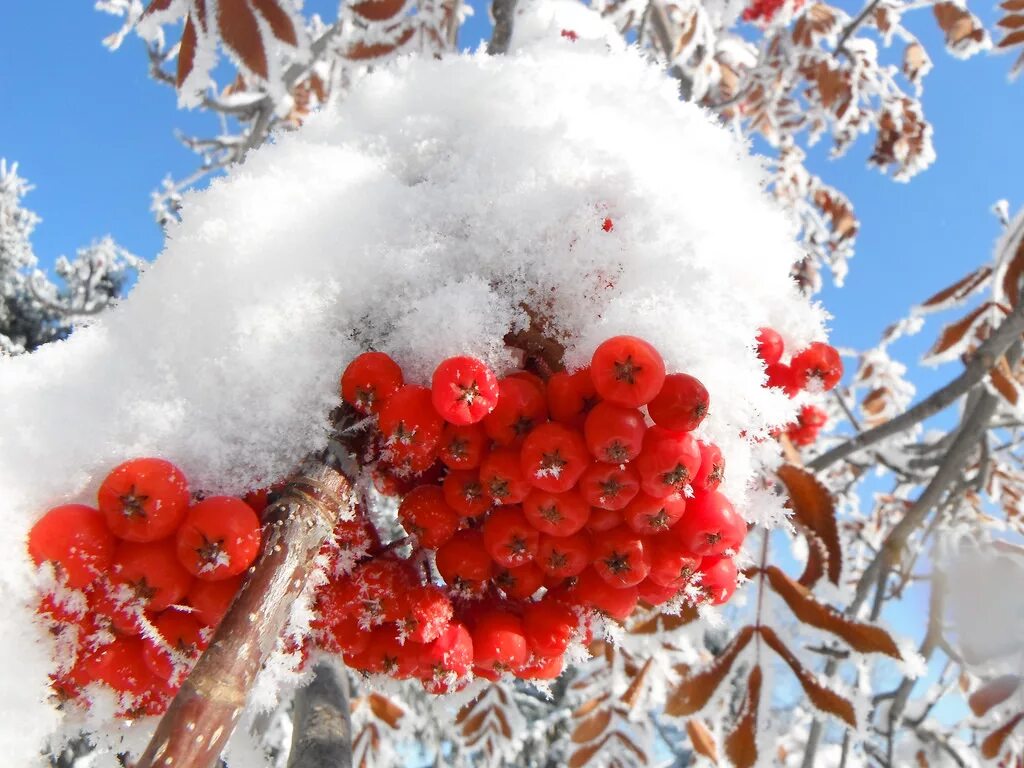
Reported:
(207, 708)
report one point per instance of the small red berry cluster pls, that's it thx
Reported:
(531, 505)
(765, 10)
(140, 581)
(818, 368)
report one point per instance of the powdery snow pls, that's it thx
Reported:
(418, 220)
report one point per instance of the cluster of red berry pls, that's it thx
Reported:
(765, 10)
(818, 368)
(536, 502)
(140, 581)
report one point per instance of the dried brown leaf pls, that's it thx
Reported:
(1015, 269)
(741, 743)
(1011, 21)
(1012, 39)
(632, 693)
(385, 709)
(814, 509)
(694, 691)
(1003, 380)
(365, 51)
(280, 22)
(959, 290)
(962, 28)
(993, 693)
(993, 743)
(240, 33)
(186, 52)
(915, 62)
(377, 10)
(955, 333)
(592, 727)
(701, 740)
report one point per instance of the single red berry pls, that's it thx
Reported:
(465, 494)
(428, 614)
(619, 557)
(501, 475)
(604, 520)
(671, 564)
(152, 571)
(348, 635)
(462, 446)
(681, 405)
(653, 593)
(211, 599)
(564, 556)
(63, 610)
(530, 378)
(509, 538)
(369, 380)
(648, 514)
(802, 436)
(386, 655)
(219, 538)
(541, 668)
(181, 641)
(447, 659)
(609, 486)
(411, 428)
(780, 376)
(548, 626)
(592, 591)
(769, 346)
(520, 582)
(607, 225)
(668, 462)
(383, 586)
(76, 540)
(464, 390)
(521, 407)
(464, 559)
(718, 576)
(571, 396)
(554, 457)
(144, 499)
(614, 434)
(121, 666)
(627, 371)
(114, 608)
(818, 368)
(712, 468)
(498, 642)
(710, 526)
(425, 514)
(556, 514)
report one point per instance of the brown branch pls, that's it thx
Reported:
(503, 12)
(206, 710)
(321, 727)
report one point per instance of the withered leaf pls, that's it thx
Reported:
(385, 709)
(955, 333)
(814, 509)
(863, 638)
(701, 740)
(1002, 379)
(280, 22)
(915, 62)
(632, 693)
(823, 698)
(694, 691)
(1014, 270)
(364, 51)
(959, 290)
(240, 33)
(962, 28)
(741, 743)
(186, 52)
(993, 743)
(993, 693)
(592, 727)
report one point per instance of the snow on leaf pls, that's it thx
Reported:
(741, 743)
(814, 509)
(695, 690)
(993, 693)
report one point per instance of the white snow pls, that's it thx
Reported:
(416, 220)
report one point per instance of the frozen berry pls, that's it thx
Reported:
(668, 462)
(554, 457)
(465, 494)
(556, 514)
(619, 557)
(541, 668)
(780, 376)
(769, 346)
(462, 446)
(181, 640)
(548, 626)
(627, 371)
(604, 520)
(614, 434)
(609, 486)
(425, 514)
(219, 538)
(648, 514)
(564, 556)
(509, 538)
(369, 380)
(447, 659)
(681, 405)
(464, 558)
(428, 612)
(501, 475)
(712, 468)
(818, 367)
(521, 407)
(411, 428)
(571, 396)
(519, 582)
(671, 564)
(464, 390)
(592, 591)
(152, 572)
(653, 593)
(144, 499)
(718, 576)
(75, 538)
(710, 526)
(499, 642)
(211, 599)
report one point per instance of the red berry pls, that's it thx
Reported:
(446, 659)
(619, 557)
(211, 599)
(564, 556)
(465, 494)
(712, 468)
(671, 564)
(607, 225)
(349, 636)
(502, 477)
(554, 457)
(383, 586)
(541, 668)
(710, 526)
(668, 462)
(144, 499)
(614, 434)
(769, 346)
(509, 538)
(718, 578)
(530, 378)
(609, 486)
(462, 446)
(604, 520)
(464, 559)
(520, 582)
(521, 407)
(152, 572)
(548, 626)
(781, 376)
(464, 390)
(653, 593)
(556, 514)
(411, 428)
(386, 655)
(594, 592)
(75, 538)
(369, 380)
(681, 405)
(113, 607)
(818, 367)
(425, 514)
(428, 613)
(627, 371)
(647, 514)
(812, 416)
(182, 641)
(498, 642)
(571, 396)
(219, 538)
(121, 666)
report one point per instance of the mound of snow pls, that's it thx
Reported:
(419, 219)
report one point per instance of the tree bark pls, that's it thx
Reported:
(322, 730)
(206, 709)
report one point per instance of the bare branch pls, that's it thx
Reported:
(321, 728)
(503, 12)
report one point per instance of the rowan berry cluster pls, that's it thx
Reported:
(765, 10)
(531, 505)
(139, 581)
(818, 368)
